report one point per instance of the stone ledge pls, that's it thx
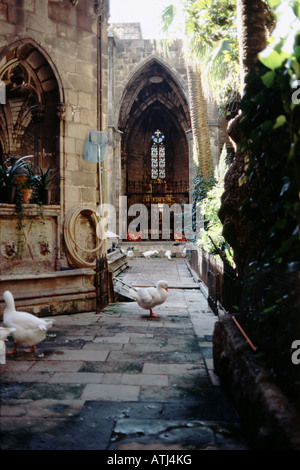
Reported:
(52, 293)
(267, 417)
(67, 273)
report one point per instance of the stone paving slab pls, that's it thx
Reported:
(146, 272)
(121, 380)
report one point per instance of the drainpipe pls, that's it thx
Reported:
(99, 91)
(99, 72)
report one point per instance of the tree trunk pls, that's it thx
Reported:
(201, 139)
(251, 32)
(252, 40)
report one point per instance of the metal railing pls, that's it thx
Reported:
(221, 280)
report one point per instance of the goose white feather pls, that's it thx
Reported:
(4, 332)
(29, 330)
(149, 253)
(149, 297)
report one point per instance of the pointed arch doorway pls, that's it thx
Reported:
(154, 119)
(31, 117)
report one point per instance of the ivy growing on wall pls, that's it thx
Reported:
(270, 129)
(210, 237)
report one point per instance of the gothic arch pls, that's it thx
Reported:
(149, 63)
(28, 50)
(29, 119)
(154, 99)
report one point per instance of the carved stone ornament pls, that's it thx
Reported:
(99, 7)
(61, 110)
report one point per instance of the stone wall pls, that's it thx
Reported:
(57, 44)
(268, 418)
(34, 247)
(53, 61)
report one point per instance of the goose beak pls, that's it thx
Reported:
(166, 289)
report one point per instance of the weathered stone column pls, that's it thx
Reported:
(38, 117)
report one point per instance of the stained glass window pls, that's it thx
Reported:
(158, 156)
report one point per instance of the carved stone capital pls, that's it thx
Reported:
(61, 110)
(100, 8)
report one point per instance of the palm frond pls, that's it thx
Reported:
(168, 16)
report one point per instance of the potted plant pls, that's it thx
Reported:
(26, 182)
(9, 171)
(43, 179)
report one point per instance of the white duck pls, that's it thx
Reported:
(149, 297)
(130, 254)
(149, 253)
(4, 332)
(29, 330)
(168, 255)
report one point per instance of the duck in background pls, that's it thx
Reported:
(149, 253)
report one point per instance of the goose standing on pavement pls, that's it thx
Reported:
(150, 253)
(149, 297)
(29, 330)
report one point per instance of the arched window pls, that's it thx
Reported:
(158, 156)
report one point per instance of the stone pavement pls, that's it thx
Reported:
(120, 380)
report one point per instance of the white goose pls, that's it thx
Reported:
(29, 330)
(5, 332)
(149, 253)
(149, 297)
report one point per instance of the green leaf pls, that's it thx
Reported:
(297, 51)
(267, 125)
(269, 309)
(168, 15)
(296, 8)
(268, 78)
(280, 121)
(296, 65)
(273, 59)
(273, 3)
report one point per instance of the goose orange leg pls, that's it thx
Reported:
(14, 351)
(152, 314)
